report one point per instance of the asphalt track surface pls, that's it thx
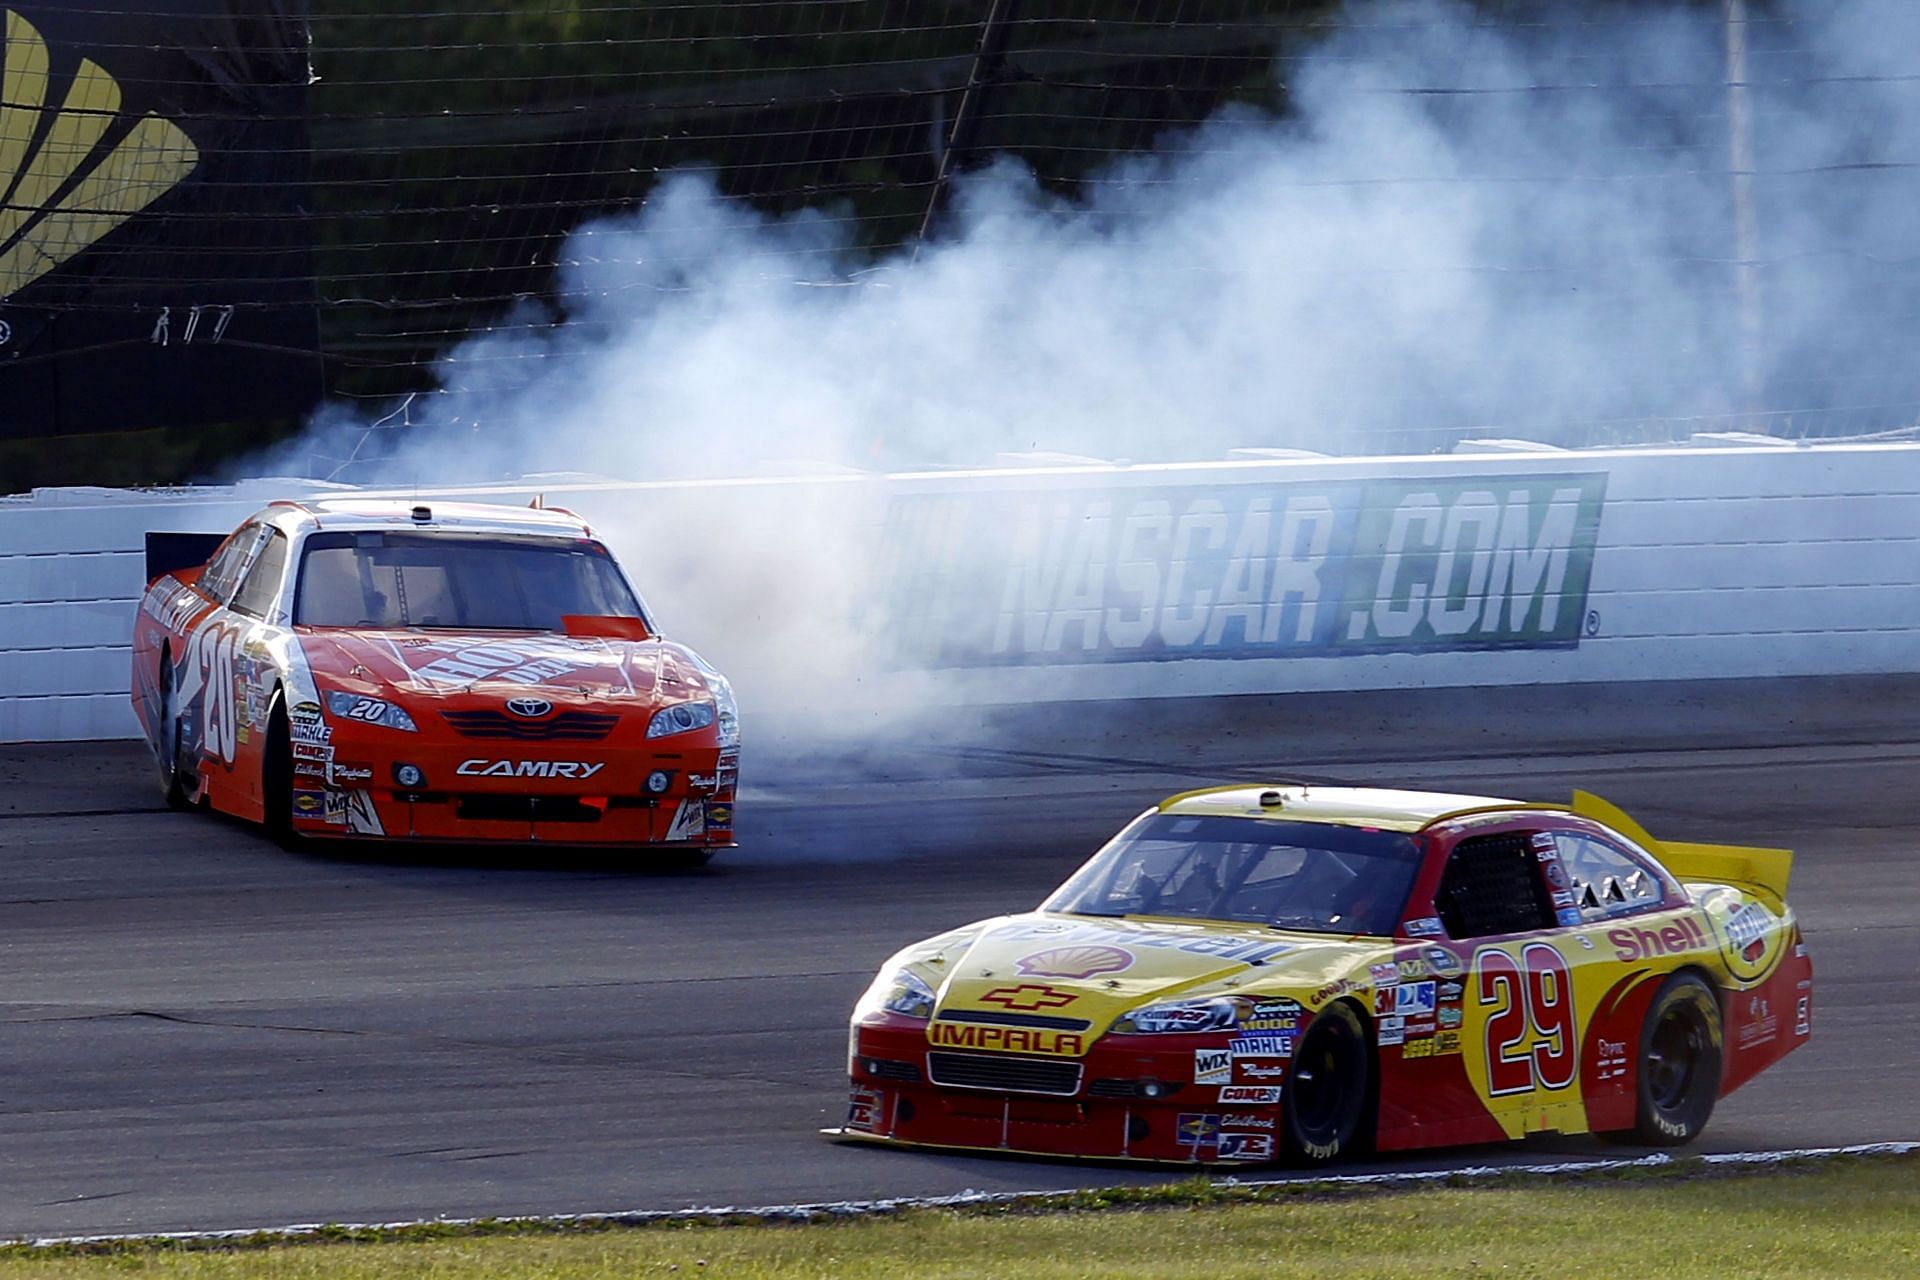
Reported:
(202, 1031)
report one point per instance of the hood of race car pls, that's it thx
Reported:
(1090, 970)
(506, 664)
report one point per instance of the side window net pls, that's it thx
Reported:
(1491, 886)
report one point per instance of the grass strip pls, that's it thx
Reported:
(1839, 1217)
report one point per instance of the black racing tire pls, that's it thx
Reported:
(1678, 1079)
(166, 750)
(1323, 1114)
(276, 778)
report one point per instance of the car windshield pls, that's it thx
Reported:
(381, 579)
(1290, 875)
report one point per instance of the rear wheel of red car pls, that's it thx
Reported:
(1680, 1051)
(1325, 1104)
(166, 750)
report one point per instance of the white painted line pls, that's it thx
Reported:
(964, 1199)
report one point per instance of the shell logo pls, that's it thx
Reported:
(1074, 962)
(69, 184)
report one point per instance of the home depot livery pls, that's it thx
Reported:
(1250, 973)
(382, 670)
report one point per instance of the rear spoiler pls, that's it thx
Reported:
(168, 552)
(1752, 868)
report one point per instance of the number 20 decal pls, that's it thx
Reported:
(1532, 1040)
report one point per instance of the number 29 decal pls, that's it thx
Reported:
(1532, 1036)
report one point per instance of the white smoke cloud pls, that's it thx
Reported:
(1465, 225)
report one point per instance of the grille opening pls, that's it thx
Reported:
(1004, 1074)
(1131, 1089)
(886, 1069)
(567, 726)
(1491, 886)
(492, 808)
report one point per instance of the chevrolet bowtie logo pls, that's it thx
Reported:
(1028, 996)
(64, 186)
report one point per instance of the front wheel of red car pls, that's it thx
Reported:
(1324, 1109)
(1680, 1051)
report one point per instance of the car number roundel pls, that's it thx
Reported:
(1528, 1034)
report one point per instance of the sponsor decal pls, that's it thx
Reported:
(309, 802)
(1249, 1095)
(580, 769)
(369, 710)
(1273, 1022)
(1212, 1066)
(307, 751)
(1334, 990)
(1451, 992)
(1803, 1016)
(315, 731)
(336, 812)
(1256, 1069)
(1447, 1042)
(1197, 1130)
(1745, 933)
(530, 660)
(689, 821)
(347, 774)
(1759, 1026)
(1449, 1017)
(1028, 997)
(863, 1109)
(1610, 1059)
(1414, 999)
(1391, 1030)
(1442, 961)
(1384, 975)
(1242, 571)
(1642, 942)
(719, 816)
(957, 1035)
(1245, 1146)
(704, 781)
(305, 711)
(1261, 1046)
(1421, 1048)
(1544, 846)
(1074, 962)
(310, 768)
(1424, 927)
(1562, 897)
(1242, 1120)
(1568, 917)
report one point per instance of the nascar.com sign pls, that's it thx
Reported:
(1123, 574)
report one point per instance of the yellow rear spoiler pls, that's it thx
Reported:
(1763, 869)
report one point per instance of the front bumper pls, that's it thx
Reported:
(586, 794)
(901, 1091)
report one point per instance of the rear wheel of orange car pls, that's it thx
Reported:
(1324, 1108)
(166, 751)
(1680, 1052)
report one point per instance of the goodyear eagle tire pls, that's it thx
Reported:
(1679, 1064)
(166, 750)
(276, 778)
(1324, 1109)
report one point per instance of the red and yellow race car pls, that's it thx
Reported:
(1259, 973)
(471, 673)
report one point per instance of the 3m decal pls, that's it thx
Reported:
(1531, 1036)
(1028, 997)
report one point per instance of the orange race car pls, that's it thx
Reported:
(1248, 973)
(462, 672)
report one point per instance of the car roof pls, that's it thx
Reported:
(363, 514)
(1379, 807)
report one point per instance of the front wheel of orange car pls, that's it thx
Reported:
(1680, 1053)
(276, 778)
(1324, 1108)
(166, 750)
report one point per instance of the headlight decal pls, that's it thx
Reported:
(681, 717)
(365, 710)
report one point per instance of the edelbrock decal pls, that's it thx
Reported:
(1242, 570)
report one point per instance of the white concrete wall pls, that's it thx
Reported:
(1709, 563)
